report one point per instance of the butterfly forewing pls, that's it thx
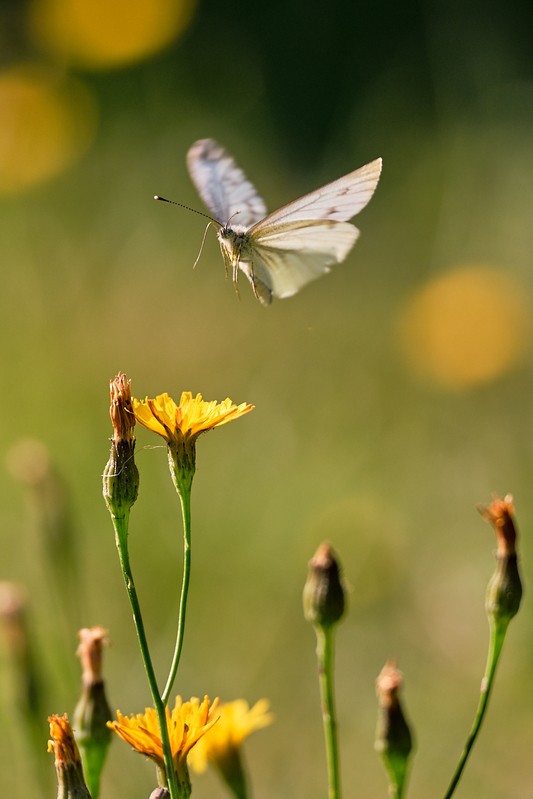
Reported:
(340, 200)
(222, 185)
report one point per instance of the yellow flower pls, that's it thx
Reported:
(236, 721)
(180, 425)
(186, 725)
(187, 420)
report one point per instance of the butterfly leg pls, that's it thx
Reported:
(253, 281)
(225, 259)
(228, 261)
(235, 275)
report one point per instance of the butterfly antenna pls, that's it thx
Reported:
(203, 240)
(187, 208)
(235, 213)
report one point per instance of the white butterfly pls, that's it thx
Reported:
(283, 251)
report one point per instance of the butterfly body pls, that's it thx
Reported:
(237, 250)
(279, 252)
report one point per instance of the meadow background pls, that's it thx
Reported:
(391, 396)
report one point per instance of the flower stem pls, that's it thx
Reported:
(324, 652)
(121, 539)
(183, 487)
(497, 637)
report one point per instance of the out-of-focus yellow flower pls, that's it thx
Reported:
(47, 123)
(187, 723)
(187, 420)
(465, 328)
(237, 720)
(99, 34)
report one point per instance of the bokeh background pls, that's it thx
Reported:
(391, 396)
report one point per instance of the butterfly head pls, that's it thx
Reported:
(234, 239)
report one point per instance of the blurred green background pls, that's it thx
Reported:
(391, 396)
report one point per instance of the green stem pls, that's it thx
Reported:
(121, 538)
(327, 695)
(497, 637)
(183, 484)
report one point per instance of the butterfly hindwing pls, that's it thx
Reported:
(287, 257)
(325, 237)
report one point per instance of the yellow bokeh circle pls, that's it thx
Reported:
(47, 123)
(104, 34)
(465, 328)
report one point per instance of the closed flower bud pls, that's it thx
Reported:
(504, 591)
(121, 477)
(70, 780)
(92, 711)
(393, 737)
(323, 596)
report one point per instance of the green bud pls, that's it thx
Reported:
(323, 596)
(121, 479)
(393, 736)
(92, 711)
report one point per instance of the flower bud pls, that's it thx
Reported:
(121, 477)
(393, 737)
(92, 711)
(70, 780)
(504, 591)
(323, 596)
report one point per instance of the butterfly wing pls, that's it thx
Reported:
(340, 200)
(301, 241)
(222, 185)
(284, 258)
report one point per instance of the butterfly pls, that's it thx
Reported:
(283, 251)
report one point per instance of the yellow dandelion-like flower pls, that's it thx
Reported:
(187, 723)
(220, 745)
(187, 420)
(180, 425)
